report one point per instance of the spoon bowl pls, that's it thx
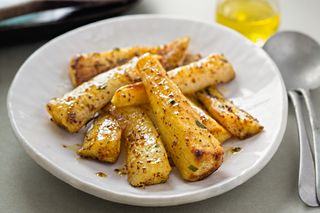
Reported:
(298, 58)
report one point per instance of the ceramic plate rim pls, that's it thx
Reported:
(150, 200)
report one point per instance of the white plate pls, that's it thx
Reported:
(258, 88)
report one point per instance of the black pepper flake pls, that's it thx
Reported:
(172, 102)
(198, 154)
(102, 87)
(71, 117)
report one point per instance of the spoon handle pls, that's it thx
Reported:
(315, 128)
(307, 189)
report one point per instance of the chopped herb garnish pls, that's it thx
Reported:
(116, 49)
(199, 124)
(156, 146)
(192, 168)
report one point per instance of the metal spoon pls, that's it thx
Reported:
(298, 58)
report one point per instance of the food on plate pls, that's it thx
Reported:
(76, 108)
(102, 140)
(133, 100)
(213, 69)
(85, 66)
(218, 131)
(193, 149)
(130, 95)
(189, 58)
(238, 122)
(147, 160)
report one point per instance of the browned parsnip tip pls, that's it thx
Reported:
(238, 122)
(85, 66)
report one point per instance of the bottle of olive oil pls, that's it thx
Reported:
(255, 19)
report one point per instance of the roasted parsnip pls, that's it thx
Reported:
(102, 140)
(218, 131)
(189, 58)
(76, 108)
(198, 75)
(85, 66)
(238, 122)
(147, 160)
(130, 95)
(194, 150)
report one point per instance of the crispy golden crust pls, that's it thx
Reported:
(211, 70)
(102, 140)
(76, 108)
(214, 69)
(85, 66)
(238, 122)
(218, 131)
(194, 150)
(130, 95)
(147, 160)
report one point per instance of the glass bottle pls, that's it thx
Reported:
(255, 19)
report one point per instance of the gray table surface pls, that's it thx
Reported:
(26, 187)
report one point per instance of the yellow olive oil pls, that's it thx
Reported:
(101, 174)
(255, 19)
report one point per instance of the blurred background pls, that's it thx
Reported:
(27, 20)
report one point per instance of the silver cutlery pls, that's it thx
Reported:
(298, 58)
